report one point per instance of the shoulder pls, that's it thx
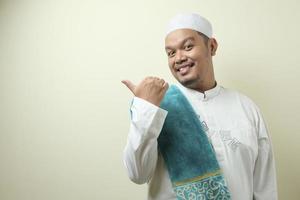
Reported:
(241, 103)
(238, 97)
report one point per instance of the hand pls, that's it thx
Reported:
(151, 89)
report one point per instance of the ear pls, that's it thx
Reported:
(213, 46)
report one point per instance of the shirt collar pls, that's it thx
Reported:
(205, 96)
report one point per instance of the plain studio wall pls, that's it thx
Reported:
(64, 114)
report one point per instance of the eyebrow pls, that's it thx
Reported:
(182, 42)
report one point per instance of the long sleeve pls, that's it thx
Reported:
(140, 153)
(264, 183)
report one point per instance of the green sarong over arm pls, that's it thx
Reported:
(190, 159)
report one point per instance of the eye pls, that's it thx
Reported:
(188, 47)
(170, 53)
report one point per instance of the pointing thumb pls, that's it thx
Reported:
(129, 84)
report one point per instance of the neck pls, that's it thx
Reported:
(204, 87)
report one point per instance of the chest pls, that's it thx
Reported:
(231, 132)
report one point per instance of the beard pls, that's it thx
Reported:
(190, 83)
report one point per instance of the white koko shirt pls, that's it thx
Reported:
(234, 126)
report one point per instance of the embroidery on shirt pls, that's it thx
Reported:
(226, 137)
(204, 124)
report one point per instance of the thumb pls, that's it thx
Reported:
(130, 85)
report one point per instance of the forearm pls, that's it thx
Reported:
(265, 184)
(140, 153)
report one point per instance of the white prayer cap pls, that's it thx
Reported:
(190, 21)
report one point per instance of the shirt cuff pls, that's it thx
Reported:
(147, 115)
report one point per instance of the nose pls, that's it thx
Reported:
(180, 57)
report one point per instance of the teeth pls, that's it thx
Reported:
(181, 68)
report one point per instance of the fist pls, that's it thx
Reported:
(151, 89)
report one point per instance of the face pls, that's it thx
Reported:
(190, 58)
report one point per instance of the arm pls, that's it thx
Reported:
(265, 185)
(140, 153)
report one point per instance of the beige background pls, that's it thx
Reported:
(64, 113)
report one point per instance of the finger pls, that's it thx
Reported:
(129, 84)
(149, 78)
(162, 81)
(165, 86)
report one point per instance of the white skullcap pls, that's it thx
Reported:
(190, 21)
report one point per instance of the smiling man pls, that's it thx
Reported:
(197, 139)
(189, 55)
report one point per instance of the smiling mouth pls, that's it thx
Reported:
(184, 69)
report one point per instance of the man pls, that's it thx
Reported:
(239, 146)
